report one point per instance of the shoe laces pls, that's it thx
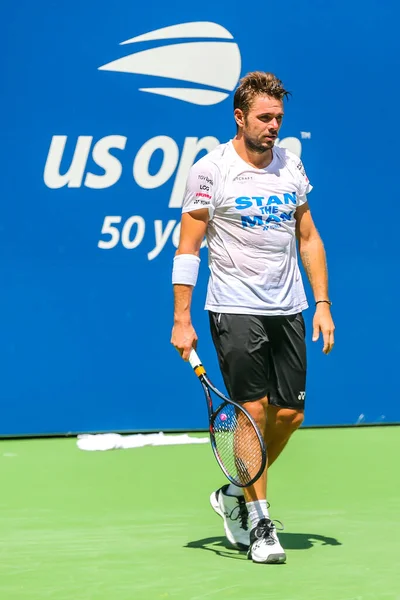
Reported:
(239, 512)
(265, 530)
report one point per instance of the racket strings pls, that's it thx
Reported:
(237, 443)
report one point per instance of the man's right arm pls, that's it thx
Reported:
(193, 229)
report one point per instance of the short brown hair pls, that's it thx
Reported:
(255, 84)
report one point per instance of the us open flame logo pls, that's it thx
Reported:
(212, 67)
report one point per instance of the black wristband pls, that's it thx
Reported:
(327, 302)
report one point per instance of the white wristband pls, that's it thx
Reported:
(185, 269)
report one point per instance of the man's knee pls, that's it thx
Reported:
(258, 410)
(289, 420)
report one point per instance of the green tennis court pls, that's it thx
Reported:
(136, 524)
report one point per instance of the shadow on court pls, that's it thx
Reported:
(290, 541)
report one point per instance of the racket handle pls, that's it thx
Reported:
(194, 359)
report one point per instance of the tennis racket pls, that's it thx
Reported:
(235, 438)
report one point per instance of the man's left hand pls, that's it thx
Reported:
(323, 323)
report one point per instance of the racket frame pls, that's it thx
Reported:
(207, 385)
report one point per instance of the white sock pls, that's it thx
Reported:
(234, 490)
(257, 510)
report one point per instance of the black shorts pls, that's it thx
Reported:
(262, 356)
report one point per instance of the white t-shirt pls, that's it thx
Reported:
(251, 231)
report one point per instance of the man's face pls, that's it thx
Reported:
(262, 123)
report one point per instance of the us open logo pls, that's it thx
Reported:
(198, 63)
(211, 67)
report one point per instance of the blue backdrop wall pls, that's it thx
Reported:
(105, 106)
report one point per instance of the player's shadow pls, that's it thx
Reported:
(290, 541)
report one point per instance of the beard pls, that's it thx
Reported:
(257, 146)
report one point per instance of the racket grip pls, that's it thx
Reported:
(194, 360)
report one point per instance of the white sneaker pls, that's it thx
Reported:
(264, 544)
(234, 512)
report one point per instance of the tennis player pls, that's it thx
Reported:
(249, 198)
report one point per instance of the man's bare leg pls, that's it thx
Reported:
(280, 425)
(258, 410)
(264, 543)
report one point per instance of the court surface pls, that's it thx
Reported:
(136, 524)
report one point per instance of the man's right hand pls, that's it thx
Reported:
(183, 338)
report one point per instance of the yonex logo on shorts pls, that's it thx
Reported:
(214, 64)
(301, 396)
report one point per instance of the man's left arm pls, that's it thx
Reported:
(312, 253)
